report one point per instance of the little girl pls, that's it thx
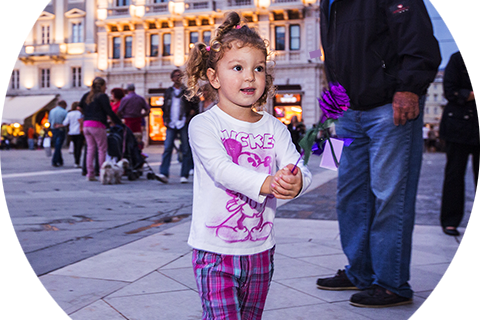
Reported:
(236, 152)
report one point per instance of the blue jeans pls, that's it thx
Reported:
(377, 187)
(58, 137)
(167, 153)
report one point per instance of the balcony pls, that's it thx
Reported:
(118, 11)
(157, 8)
(54, 51)
(158, 62)
(283, 2)
(284, 57)
(121, 64)
(199, 5)
(238, 4)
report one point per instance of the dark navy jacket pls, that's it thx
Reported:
(459, 120)
(375, 48)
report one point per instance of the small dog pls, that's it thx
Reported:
(111, 172)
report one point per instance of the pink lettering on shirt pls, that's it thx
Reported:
(246, 221)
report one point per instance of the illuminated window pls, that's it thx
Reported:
(116, 47)
(128, 47)
(15, 80)
(295, 37)
(153, 45)
(76, 77)
(45, 78)
(279, 38)
(167, 42)
(77, 32)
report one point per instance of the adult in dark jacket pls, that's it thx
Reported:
(96, 107)
(385, 55)
(459, 129)
(177, 113)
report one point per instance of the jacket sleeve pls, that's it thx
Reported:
(105, 103)
(418, 51)
(452, 81)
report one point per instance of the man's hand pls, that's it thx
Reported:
(405, 107)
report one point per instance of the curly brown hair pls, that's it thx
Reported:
(203, 57)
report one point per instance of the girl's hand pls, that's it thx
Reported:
(285, 184)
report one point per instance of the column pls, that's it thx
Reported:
(102, 49)
(90, 22)
(178, 43)
(139, 36)
(59, 21)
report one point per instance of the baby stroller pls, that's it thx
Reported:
(122, 144)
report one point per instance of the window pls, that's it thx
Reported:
(45, 78)
(77, 32)
(280, 38)
(159, 1)
(193, 37)
(15, 80)
(295, 37)
(128, 47)
(116, 47)
(153, 45)
(15, 36)
(76, 77)
(167, 41)
(123, 3)
(207, 35)
(45, 34)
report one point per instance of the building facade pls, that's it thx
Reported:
(142, 41)
(59, 55)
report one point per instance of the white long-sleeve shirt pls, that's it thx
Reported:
(232, 160)
(72, 121)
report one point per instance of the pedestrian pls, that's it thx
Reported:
(297, 131)
(96, 107)
(133, 108)
(74, 120)
(432, 139)
(425, 131)
(31, 138)
(117, 95)
(55, 118)
(236, 151)
(384, 54)
(459, 129)
(177, 113)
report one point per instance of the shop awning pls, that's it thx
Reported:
(18, 108)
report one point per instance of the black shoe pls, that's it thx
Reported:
(336, 283)
(377, 297)
(451, 231)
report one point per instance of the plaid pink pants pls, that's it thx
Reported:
(233, 287)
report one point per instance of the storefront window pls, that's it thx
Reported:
(288, 105)
(157, 130)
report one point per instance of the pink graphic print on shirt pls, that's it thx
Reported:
(246, 222)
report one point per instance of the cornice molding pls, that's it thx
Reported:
(46, 16)
(75, 13)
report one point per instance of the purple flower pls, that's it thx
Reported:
(334, 102)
